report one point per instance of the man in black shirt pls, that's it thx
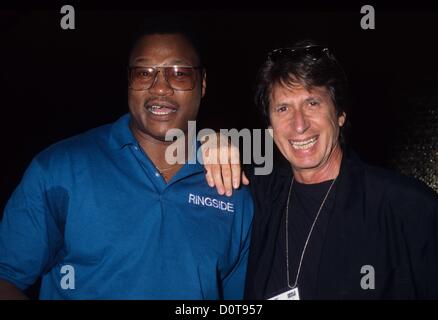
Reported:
(326, 225)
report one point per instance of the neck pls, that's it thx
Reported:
(156, 151)
(328, 171)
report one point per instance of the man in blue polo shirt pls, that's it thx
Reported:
(102, 215)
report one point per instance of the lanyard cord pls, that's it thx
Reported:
(308, 236)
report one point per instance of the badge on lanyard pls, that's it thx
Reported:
(291, 294)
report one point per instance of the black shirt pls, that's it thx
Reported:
(305, 201)
(374, 218)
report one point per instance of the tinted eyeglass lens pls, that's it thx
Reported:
(142, 78)
(178, 78)
(181, 78)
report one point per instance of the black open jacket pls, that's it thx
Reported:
(379, 218)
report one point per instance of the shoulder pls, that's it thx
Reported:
(263, 186)
(74, 148)
(392, 194)
(399, 187)
(385, 182)
(270, 193)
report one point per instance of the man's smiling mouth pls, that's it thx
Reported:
(161, 110)
(303, 144)
(161, 107)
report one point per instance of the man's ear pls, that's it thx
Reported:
(204, 83)
(342, 118)
(271, 131)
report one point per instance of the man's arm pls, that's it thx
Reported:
(29, 235)
(234, 282)
(222, 164)
(10, 292)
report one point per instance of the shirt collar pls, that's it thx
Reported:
(121, 134)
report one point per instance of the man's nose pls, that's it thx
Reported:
(300, 122)
(160, 86)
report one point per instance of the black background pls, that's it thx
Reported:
(56, 83)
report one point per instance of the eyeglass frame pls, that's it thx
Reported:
(129, 68)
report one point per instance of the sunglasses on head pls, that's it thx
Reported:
(315, 52)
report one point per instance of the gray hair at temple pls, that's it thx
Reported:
(307, 63)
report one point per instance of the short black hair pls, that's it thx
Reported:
(172, 24)
(297, 64)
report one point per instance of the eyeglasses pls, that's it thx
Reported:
(315, 52)
(181, 78)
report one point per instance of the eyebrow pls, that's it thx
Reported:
(287, 103)
(171, 63)
(140, 60)
(312, 98)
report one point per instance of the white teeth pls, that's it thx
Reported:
(302, 145)
(156, 110)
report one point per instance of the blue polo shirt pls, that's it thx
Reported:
(94, 217)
